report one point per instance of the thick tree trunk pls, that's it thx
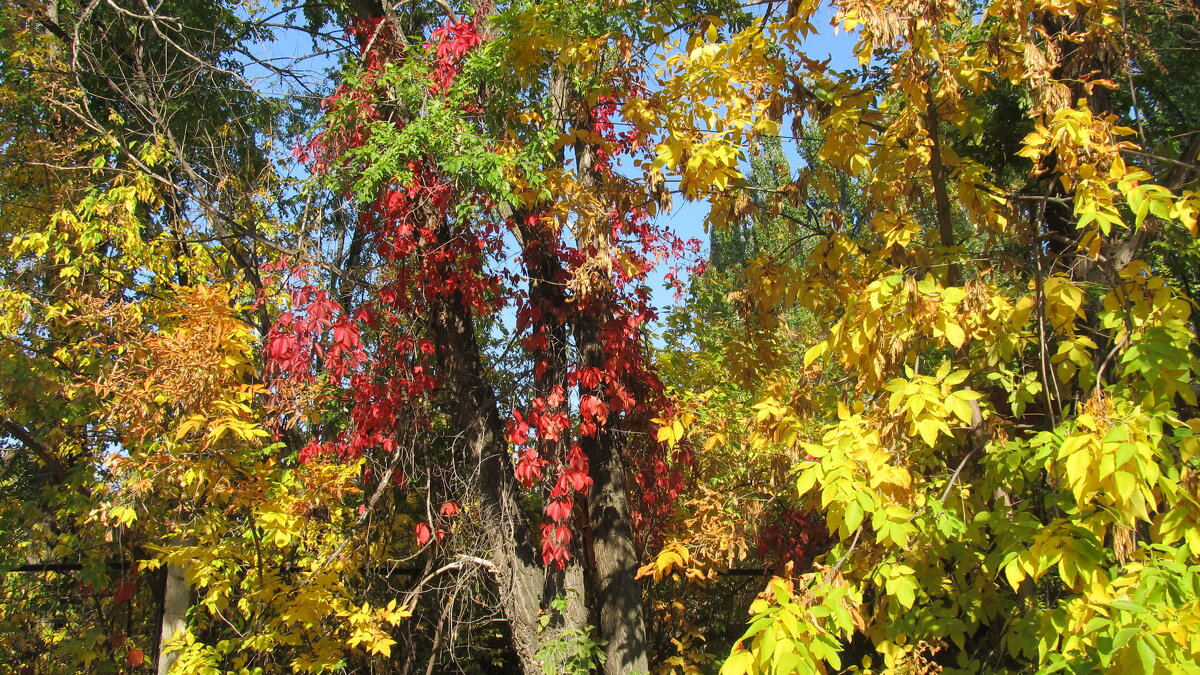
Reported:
(613, 561)
(614, 596)
(526, 586)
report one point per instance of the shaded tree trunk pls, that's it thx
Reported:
(526, 586)
(612, 559)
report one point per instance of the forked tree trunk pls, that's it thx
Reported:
(526, 586)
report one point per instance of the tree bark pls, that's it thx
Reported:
(526, 586)
(613, 562)
(173, 617)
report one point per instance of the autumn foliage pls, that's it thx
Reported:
(373, 371)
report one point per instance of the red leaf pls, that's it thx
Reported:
(591, 407)
(589, 377)
(554, 545)
(517, 430)
(559, 509)
(579, 480)
(125, 591)
(529, 468)
(423, 534)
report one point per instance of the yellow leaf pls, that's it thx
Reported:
(961, 408)
(665, 435)
(891, 475)
(815, 352)
(1014, 574)
(382, 646)
(738, 664)
(954, 334)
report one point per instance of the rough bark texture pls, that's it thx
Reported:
(613, 594)
(611, 597)
(526, 586)
(613, 562)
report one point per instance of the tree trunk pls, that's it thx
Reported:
(526, 586)
(173, 618)
(612, 560)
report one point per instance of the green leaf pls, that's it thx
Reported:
(1128, 606)
(1145, 654)
(1124, 635)
(854, 516)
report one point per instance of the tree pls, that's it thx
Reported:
(129, 409)
(449, 168)
(398, 405)
(996, 411)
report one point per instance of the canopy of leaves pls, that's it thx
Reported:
(350, 364)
